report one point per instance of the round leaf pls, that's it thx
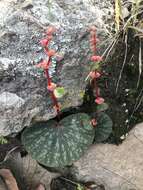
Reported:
(56, 144)
(103, 128)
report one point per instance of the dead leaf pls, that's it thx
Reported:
(9, 179)
(40, 187)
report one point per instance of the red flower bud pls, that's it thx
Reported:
(96, 58)
(93, 122)
(44, 42)
(50, 52)
(43, 64)
(94, 74)
(99, 100)
(51, 87)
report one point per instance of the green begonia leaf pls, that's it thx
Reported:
(103, 128)
(57, 144)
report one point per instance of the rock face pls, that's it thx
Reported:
(116, 167)
(22, 25)
(10, 110)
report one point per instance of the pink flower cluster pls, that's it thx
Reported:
(44, 64)
(94, 75)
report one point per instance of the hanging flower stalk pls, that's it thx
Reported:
(95, 74)
(45, 64)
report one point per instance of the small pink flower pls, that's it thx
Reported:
(94, 122)
(44, 42)
(99, 100)
(96, 58)
(43, 64)
(51, 87)
(94, 74)
(50, 52)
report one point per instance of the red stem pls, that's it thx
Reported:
(55, 102)
(49, 81)
(93, 42)
(94, 52)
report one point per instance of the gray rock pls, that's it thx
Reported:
(116, 167)
(10, 113)
(5, 66)
(16, 113)
(9, 100)
(22, 25)
(5, 63)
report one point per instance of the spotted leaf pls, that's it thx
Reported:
(103, 128)
(57, 144)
